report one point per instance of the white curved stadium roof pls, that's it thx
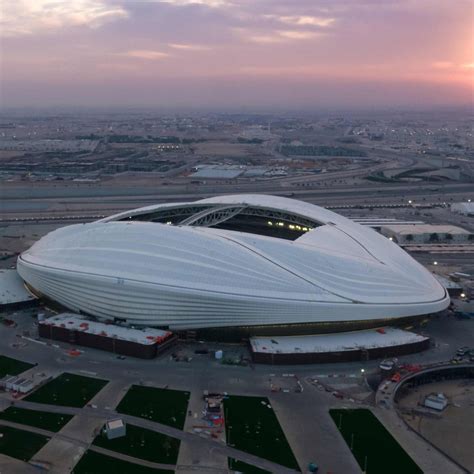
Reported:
(203, 272)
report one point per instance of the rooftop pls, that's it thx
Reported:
(115, 424)
(146, 336)
(424, 229)
(336, 342)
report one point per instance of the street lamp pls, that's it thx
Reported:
(435, 263)
(462, 295)
(410, 201)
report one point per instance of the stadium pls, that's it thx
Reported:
(248, 263)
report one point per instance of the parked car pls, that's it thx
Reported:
(387, 364)
(462, 351)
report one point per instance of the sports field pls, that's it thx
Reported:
(143, 444)
(39, 419)
(374, 448)
(9, 366)
(252, 426)
(20, 444)
(157, 404)
(68, 390)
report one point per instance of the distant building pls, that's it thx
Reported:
(453, 288)
(464, 208)
(464, 309)
(218, 171)
(404, 234)
(50, 145)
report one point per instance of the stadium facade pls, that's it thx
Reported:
(239, 261)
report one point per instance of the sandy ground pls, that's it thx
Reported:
(453, 430)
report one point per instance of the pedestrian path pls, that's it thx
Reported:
(200, 443)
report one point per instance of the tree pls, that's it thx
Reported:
(434, 237)
(449, 237)
(409, 237)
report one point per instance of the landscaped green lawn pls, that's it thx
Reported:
(9, 366)
(143, 444)
(68, 390)
(157, 404)
(40, 419)
(96, 463)
(20, 444)
(373, 446)
(241, 466)
(253, 427)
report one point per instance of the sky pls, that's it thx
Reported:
(237, 54)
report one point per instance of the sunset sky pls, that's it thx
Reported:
(237, 53)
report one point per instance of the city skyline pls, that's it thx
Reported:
(221, 53)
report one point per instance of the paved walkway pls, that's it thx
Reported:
(10, 465)
(310, 431)
(430, 459)
(191, 457)
(84, 446)
(201, 444)
(307, 436)
(64, 450)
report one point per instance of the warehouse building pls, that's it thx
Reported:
(406, 234)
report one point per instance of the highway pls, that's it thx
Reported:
(105, 200)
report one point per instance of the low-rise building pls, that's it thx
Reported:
(406, 234)
(436, 401)
(464, 208)
(144, 343)
(115, 428)
(21, 384)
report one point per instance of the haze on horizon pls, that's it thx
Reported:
(237, 53)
